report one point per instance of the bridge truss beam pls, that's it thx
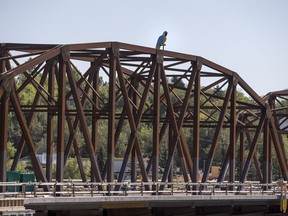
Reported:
(179, 96)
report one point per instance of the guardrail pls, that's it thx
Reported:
(73, 189)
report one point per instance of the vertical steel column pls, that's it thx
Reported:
(3, 127)
(133, 158)
(113, 53)
(233, 121)
(170, 151)
(50, 139)
(95, 123)
(271, 102)
(4, 108)
(242, 151)
(156, 119)
(196, 128)
(3, 137)
(269, 158)
(63, 59)
(265, 165)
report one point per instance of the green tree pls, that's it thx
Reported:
(71, 170)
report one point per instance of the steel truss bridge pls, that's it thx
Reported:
(186, 94)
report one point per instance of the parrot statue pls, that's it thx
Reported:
(161, 40)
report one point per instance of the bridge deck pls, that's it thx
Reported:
(188, 198)
(177, 204)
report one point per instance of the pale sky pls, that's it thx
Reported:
(249, 37)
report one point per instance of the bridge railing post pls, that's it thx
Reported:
(126, 189)
(24, 190)
(74, 187)
(109, 189)
(35, 189)
(142, 188)
(54, 191)
(92, 188)
(15, 187)
(157, 188)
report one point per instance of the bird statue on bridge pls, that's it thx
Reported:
(161, 40)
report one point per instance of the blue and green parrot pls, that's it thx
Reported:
(161, 40)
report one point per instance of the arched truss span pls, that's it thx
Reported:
(178, 96)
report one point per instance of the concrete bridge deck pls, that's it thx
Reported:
(197, 204)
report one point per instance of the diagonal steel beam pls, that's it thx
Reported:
(117, 135)
(27, 65)
(176, 132)
(34, 73)
(62, 106)
(71, 139)
(29, 140)
(278, 148)
(253, 146)
(94, 66)
(137, 122)
(255, 158)
(133, 125)
(177, 125)
(30, 117)
(84, 126)
(76, 150)
(217, 133)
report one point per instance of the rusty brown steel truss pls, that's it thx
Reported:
(187, 94)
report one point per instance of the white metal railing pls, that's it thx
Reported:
(74, 188)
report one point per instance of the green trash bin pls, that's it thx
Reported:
(13, 176)
(27, 177)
